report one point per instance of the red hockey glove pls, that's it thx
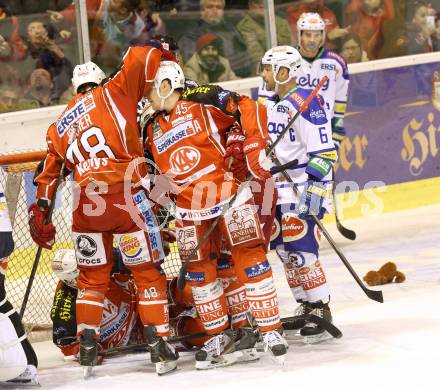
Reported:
(234, 159)
(43, 234)
(257, 162)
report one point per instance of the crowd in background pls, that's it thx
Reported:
(219, 40)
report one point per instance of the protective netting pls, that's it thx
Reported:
(20, 194)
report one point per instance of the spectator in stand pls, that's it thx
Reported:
(154, 25)
(41, 89)
(12, 46)
(207, 65)
(351, 49)
(68, 15)
(49, 55)
(115, 23)
(212, 21)
(332, 30)
(419, 31)
(435, 37)
(252, 28)
(412, 37)
(366, 18)
(11, 99)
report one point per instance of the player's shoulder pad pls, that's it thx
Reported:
(214, 95)
(331, 54)
(315, 113)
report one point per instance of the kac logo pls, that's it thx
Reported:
(184, 160)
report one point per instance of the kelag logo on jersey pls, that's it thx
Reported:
(306, 81)
(79, 109)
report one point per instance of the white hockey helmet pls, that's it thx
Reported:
(283, 56)
(310, 21)
(64, 266)
(88, 72)
(169, 70)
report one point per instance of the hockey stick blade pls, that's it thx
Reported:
(328, 326)
(347, 233)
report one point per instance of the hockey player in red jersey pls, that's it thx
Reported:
(107, 143)
(187, 143)
(120, 324)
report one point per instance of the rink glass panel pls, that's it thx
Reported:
(37, 56)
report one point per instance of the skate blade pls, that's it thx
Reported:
(317, 338)
(279, 360)
(87, 371)
(247, 355)
(293, 335)
(21, 384)
(220, 361)
(163, 368)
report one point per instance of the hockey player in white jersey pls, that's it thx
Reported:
(18, 361)
(309, 140)
(318, 62)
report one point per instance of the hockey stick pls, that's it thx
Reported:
(133, 347)
(347, 233)
(303, 107)
(328, 326)
(375, 295)
(48, 219)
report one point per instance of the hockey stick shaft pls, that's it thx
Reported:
(375, 295)
(347, 233)
(48, 219)
(171, 340)
(304, 106)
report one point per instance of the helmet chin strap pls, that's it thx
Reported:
(277, 82)
(163, 98)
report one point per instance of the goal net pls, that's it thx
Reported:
(16, 175)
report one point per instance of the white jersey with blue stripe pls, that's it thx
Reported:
(309, 135)
(334, 91)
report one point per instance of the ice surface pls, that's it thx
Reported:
(394, 345)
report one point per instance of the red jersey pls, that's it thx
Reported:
(189, 146)
(104, 119)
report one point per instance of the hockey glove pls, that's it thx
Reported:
(311, 200)
(6, 244)
(257, 162)
(234, 159)
(43, 234)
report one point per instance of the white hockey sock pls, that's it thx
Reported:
(312, 277)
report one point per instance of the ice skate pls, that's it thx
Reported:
(88, 351)
(227, 348)
(312, 332)
(163, 355)
(292, 325)
(27, 378)
(275, 342)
